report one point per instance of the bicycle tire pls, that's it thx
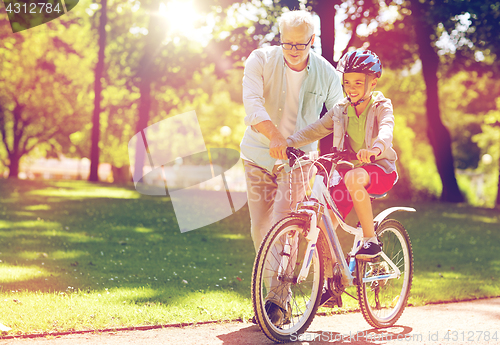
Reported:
(305, 296)
(383, 301)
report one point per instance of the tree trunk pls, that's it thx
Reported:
(439, 136)
(142, 122)
(15, 153)
(146, 74)
(14, 165)
(121, 175)
(326, 12)
(99, 69)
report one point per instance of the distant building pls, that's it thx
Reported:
(62, 168)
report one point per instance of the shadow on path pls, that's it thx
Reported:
(253, 335)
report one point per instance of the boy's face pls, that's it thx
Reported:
(354, 85)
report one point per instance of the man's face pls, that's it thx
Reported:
(354, 85)
(296, 59)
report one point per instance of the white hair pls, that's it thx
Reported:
(296, 18)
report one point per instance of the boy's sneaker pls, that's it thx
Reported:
(369, 250)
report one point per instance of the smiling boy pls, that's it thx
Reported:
(363, 123)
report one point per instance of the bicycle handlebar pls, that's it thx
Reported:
(293, 154)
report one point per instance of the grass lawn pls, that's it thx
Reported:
(77, 256)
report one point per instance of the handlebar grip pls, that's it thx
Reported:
(292, 154)
(372, 159)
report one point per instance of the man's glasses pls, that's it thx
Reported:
(299, 46)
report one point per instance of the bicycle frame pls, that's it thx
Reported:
(315, 211)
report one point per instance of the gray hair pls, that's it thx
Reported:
(296, 18)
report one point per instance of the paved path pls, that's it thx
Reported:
(453, 323)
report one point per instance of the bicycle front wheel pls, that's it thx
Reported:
(274, 281)
(383, 291)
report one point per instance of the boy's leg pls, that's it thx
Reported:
(360, 182)
(356, 180)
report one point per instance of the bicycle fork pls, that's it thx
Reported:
(290, 241)
(312, 239)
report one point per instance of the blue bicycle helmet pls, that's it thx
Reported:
(360, 61)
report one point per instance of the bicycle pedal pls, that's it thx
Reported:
(329, 304)
(333, 302)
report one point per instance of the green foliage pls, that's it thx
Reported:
(219, 104)
(418, 177)
(474, 132)
(456, 94)
(470, 111)
(489, 142)
(189, 75)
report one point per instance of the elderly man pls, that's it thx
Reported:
(284, 89)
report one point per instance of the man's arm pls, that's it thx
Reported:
(253, 90)
(253, 100)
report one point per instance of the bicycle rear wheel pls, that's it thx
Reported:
(382, 301)
(273, 282)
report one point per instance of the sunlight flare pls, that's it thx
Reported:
(181, 17)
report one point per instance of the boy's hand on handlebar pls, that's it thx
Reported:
(277, 147)
(364, 155)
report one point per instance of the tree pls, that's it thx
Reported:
(143, 67)
(99, 70)
(34, 116)
(398, 44)
(439, 136)
(472, 27)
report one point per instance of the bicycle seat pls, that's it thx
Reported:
(377, 196)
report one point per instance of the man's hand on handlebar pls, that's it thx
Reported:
(277, 147)
(368, 156)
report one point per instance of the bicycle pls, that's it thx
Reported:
(298, 261)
